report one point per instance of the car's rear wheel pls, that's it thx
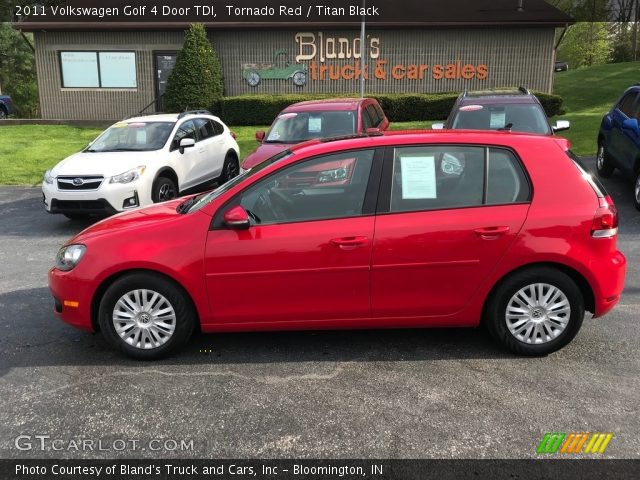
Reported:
(603, 162)
(163, 189)
(146, 316)
(230, 168)
(536, 311)
(3, 113)
(636, 191)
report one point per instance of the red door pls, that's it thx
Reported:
(307, 253)
(307, 271)
(430, 263)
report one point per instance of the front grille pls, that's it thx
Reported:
(81, 206)
(80, 183)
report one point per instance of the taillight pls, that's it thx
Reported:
(605, 221)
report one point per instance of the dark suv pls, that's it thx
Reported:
(6, 106)
(517, 110)
(619, 140)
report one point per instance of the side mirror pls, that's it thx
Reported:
(562, 125)
(374, 132)
(186, 143)
(437, 126)
(237, 218)
(260, 136)
(631, 124)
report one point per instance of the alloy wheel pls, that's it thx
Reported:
(600, 158)
(637, 189)
(538, 313)
(144, 319)
(166, 192)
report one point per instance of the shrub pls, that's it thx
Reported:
(196, 80)
(262, 109)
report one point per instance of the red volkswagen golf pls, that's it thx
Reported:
(414, 229)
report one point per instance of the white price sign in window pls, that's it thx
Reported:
(418, 177)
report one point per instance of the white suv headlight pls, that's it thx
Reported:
(128, 176)
(68, 257)
(48, 178)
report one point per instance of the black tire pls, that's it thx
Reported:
(230, 168)
(76, 216)
(604, 166)
(185, 316)
(163, 189)
(496, 312)
(636, 190)
(3, 113)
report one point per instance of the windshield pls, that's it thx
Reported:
(298, 127)
(133, 137)
(515, 117)
(196, 203)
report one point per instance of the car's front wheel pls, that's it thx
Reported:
(536, 311)
(603, 162)
(146, 315)
(230, 168)
(163, 189)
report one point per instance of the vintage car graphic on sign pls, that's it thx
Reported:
(280, 69)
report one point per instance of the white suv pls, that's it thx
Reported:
(140, 161)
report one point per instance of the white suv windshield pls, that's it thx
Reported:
(298, 127)
(133, 137)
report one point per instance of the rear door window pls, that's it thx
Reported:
(456, 176)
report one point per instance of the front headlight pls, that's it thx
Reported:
(335, 175)
(68, 257)
(128, 176)
(48, 178)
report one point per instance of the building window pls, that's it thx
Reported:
(98, 69)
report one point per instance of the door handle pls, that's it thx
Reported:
(349, 243)
(491, 233)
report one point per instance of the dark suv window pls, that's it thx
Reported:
(626, 104)
(517, 117)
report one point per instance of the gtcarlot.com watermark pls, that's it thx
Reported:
(43, 443)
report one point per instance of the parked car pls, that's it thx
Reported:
(448, 229)
(517, 110)
(561, 66)
(140, 161)
(619, 140)
(6, 107)
(317, 119)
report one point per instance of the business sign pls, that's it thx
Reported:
(340, 58)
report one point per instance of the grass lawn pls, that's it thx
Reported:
(588, 94)
(27, 151)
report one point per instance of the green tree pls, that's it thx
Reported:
(17, 71)
(196, 80)
(586, 44)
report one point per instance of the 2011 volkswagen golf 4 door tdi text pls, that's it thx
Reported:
(442, 229)
(141, 161)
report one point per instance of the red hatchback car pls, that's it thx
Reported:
(418, 229)
(305, 121)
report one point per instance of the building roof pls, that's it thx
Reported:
(412, 14)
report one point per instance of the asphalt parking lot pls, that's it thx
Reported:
(369, 394)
